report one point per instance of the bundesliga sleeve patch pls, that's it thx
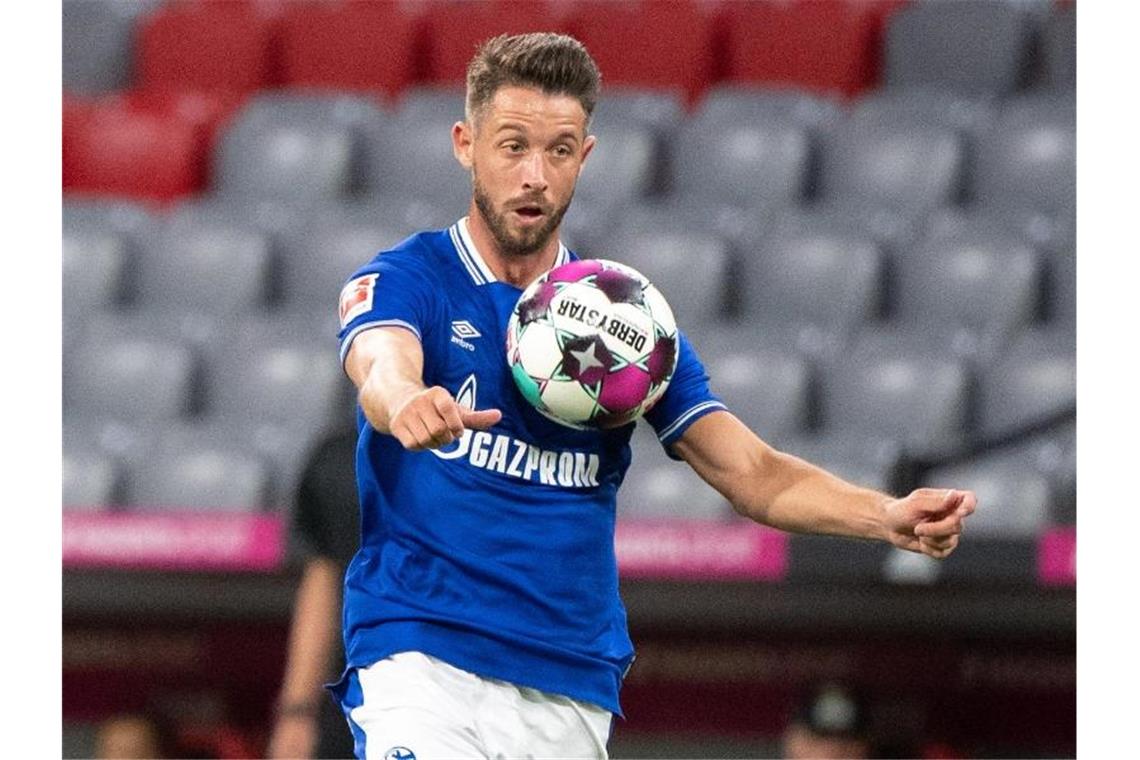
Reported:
(356, 298)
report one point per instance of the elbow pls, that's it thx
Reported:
(747, 487)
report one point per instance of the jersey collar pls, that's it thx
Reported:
(474, 262)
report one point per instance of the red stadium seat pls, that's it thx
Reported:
(213, 46)
(112, 148)
(652, 44)
(827, 46)
(455, 30)
(368, 45)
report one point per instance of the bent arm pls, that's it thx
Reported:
(785, 492)
(387, 365)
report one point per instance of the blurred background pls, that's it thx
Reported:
(862, 211)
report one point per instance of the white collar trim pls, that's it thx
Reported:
(474, 262)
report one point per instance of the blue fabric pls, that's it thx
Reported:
(496, 553)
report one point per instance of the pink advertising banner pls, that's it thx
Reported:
(1057, 557)
(696, 550)
(174, 541)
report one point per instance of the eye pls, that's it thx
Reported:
(563, 151)
(513, 146)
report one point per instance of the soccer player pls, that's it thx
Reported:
(482, 615)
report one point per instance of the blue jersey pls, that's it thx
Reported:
(496, 552)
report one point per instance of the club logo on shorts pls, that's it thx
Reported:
(356, 297)
(399, 753)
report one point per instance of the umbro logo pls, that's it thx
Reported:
(461, 333)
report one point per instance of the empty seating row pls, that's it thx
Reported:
(834, 46)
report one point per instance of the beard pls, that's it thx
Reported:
(521, 242)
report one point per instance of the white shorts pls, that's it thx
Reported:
(411, 706)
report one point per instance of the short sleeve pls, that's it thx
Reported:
(393, 290)
(687, 399)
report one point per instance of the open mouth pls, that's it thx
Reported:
(529, 212)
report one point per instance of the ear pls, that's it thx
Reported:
(462, 143)
(587, 148)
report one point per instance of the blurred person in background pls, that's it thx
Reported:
(482, 613)
(830, 723)
(325, 533)
(131, 736)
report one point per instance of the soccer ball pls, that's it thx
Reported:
(592, 344)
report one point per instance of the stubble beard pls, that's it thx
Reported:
(521, 243)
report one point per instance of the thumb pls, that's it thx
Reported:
(479, 420)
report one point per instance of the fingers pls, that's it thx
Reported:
(938, 548)
(432, 419)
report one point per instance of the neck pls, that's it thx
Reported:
(519, 271)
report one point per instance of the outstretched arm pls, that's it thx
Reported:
(785, 492)
(387, 365)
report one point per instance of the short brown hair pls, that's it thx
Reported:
(554, 63)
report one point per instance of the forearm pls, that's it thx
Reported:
(386, 364)
(312, 634)
(778, 489)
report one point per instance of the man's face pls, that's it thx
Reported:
(525, 150)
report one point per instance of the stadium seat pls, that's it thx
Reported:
(1059, 50)
(1034, 381)
(94, 271)
(892, 228)
(297, 147)
(208, 46)
(910, 167)
(1017, 500)
(456, 28)
(814, 280)
(274, 371)
(660, 111)
(969, 46)
(90, 481)
(334, 46)
(648, 44)
(214, 266)
(1029, 156)
(970, 292)
(968, 115)
(872, 461)
(413, 154)
(827, 46)
(880, 390)
(657, 487)
(98, 44)
(768, 389)
(217, 477)
(690, 268)
(736, 104)
(622, 166)
(112, 149)
(127, 378)
(742, 163)
(1053, 234)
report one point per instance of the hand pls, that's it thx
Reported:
(431, 418)
(929, 520)
(294, 736)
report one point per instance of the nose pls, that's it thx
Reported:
(534, 173)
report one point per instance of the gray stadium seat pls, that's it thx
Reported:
(659, 111)
(916, 167)
(94, 271)
(968, 46)
(965, 114)
(90, 480)
(1033, 381)
(1014, 501)
(91, 230)
(212, 265)
(733, 104)
(1029, 156)
(1046, 232)
(872, 461)
(814, 278)
(130, 378)
(412, 154)
(209, 478)
(98, 37)
(971, 291)
(299, 147)
(891, 228)
(768, 389)
(622, 165)
(742, 163)
(272, 372)
(1059, 50)
(691, 269)
(882, 391)
(658, 487)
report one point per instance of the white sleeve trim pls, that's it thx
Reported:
(688, 415)
(347, 342)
